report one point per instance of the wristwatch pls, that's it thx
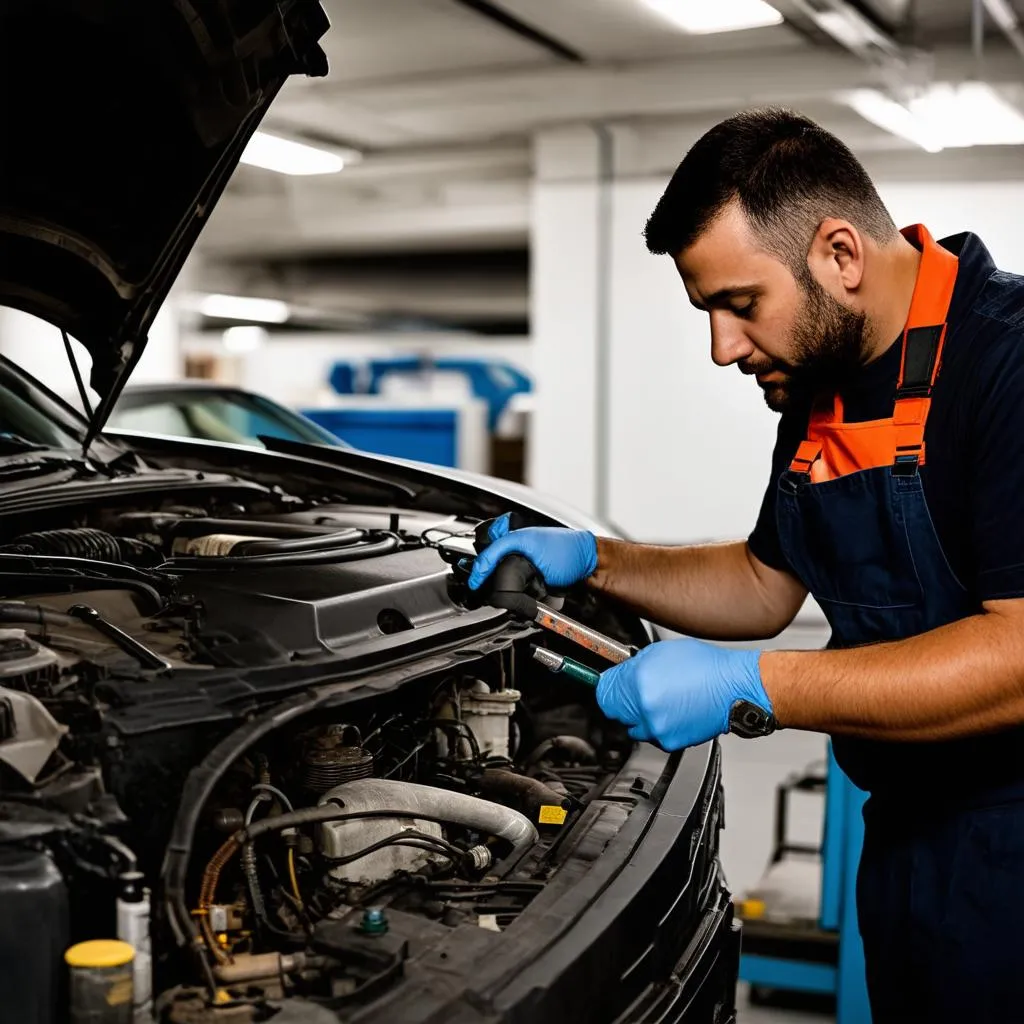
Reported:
(748, 720)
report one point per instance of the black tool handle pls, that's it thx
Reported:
(516, 584)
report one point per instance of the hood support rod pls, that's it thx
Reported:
(86, 404)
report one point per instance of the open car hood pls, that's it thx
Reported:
(121, 122)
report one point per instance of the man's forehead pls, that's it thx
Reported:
(726, 256)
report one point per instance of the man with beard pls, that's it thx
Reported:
(896, 499)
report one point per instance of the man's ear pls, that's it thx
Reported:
(836, 256)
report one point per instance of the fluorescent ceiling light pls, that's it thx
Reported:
(702, 17)
(945, 116)
(972, 114)
(879, 109)
(241, 307)
(244, 339)
(273, 153)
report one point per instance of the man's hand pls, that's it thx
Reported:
(680, 692)
(562, 557)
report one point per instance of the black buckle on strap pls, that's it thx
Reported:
(906, 465)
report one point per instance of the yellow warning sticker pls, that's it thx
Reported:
(551, 815)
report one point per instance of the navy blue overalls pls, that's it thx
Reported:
(941, 881)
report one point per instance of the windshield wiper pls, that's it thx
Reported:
(18, 454)
(17, 443)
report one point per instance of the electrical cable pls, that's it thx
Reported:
(265, 787)
(294, 878)
(409, 837)
(406, 759)
(305, 816)
(454, 723)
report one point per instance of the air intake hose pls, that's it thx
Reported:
(435, 804)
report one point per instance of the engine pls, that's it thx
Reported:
(275, 756)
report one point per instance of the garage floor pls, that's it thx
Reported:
(752, 770)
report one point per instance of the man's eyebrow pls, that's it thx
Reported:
(724, 295)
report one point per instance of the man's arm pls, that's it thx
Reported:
(958, 680)
(713, 591)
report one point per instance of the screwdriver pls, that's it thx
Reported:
(561, 665)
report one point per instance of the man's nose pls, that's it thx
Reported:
(729, 342)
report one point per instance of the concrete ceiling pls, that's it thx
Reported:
(443, 102)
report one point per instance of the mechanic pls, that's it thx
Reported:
(896, 498)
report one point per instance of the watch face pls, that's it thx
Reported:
(749, 720)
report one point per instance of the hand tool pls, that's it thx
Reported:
(517, 586)
(561, 665)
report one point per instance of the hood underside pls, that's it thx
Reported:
(120, 124)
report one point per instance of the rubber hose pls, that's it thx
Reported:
(574, 746)
(320, 542)
(84, 542)
(531, 794)
(34, 614)
(101, 575)
(352, 553)
(436, 804)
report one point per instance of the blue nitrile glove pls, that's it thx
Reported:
(562, 557)
(679, 692)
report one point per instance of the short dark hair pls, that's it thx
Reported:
(788, 175)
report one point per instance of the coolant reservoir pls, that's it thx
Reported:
(487, 713)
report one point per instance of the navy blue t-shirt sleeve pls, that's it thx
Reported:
(996, 471)
(764, 540)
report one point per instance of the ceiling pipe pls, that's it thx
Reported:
(1007, 19)
(854, 31)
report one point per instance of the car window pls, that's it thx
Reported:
(165, 418)
(232, 417)
(20, 416)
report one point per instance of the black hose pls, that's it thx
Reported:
(351, 553)
(84, 542)
(577, 748)
(417, 840)
(34, 614)
(105, 575)
(317, 542)
(530, 794)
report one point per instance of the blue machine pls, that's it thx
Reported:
(493, 381)
(426, 434)
(828, 959)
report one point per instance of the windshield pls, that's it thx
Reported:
(235, 417)
(30, 413)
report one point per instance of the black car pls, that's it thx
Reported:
(249, 721)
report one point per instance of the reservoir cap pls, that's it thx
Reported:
(100, 953)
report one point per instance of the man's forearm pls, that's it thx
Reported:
(959, 680)
(712, 591)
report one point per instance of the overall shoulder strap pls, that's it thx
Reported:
(923, 338)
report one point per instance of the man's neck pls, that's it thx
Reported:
(895, 275)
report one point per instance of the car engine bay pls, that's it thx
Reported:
(265, 741)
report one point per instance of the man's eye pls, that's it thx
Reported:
(745, 312)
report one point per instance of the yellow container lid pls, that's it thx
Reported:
(100, 953)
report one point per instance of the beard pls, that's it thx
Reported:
(827, 345)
